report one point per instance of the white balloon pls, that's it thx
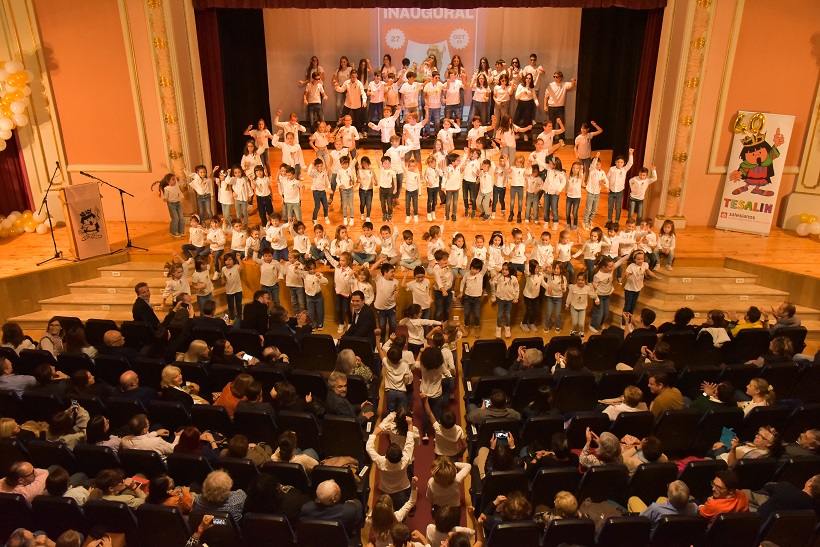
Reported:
(15, 214)
(3, 74)
(814, 228)
(5, 134)
(2, 145)
(29, 75)
(802, 229)
(6, 124)
(17, 107)
(20, 119)
(7, 223)
(42, 229)
(26, 101)
(13, 66)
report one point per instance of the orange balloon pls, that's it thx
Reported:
(19, 94)
(16, 80)
(7, 99)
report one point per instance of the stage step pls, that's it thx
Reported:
(117, 285)
(133, 269)
(700, 276)
(722, 295)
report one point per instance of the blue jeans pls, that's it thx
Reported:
(280, 254)
(319, 201)
(472, 307)
(200, 300)
(591, 207)
(177, 221)
(226, 212)
(264, 205)
(342, 309)
(590, 264)
(452, 111)
(553, 312)
(189, 250)
(450, 204)
(242, 211)
(531, 313)
(636, 206)
(273, 291)
(551, 204)
(573, 204)
(366, 202)
(411, 197)
(531, 212)
(386, 202)
(498, 197)
(347, 202)
(443, 305)
(469, 194)
(316, 309)
(432, 199)
(570, 270)
(374, 112)
(361, 258)
(395, 399)
(670, 258)
(297, 299)
(435, 118)
(613, 204)
(631, 300)
(599, 312)
(235, 304)
(517, 194)
(504, 312)
(387, 317)
(436, 406)
(203, 204)
(315, 114)
(292, 210)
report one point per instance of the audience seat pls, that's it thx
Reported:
(680, 347)
(16, 513)
(93, 404)
(698, 477)
(115, 516)
(318, 353)
(245, 340)
(478, 437)
(559, 344)
(789, 527)
(71, 362)
(736, 529)
(242, 470)
(576, 430)
(30, 359)
(600, 352)
(212, 418)
(146, 462)
(44, 454)
(650, 480)
(798, 470)
(540, 429)
(479, 390)
(12, 450)
(534, 342)
(604, 482)
(342, 436)
(739, 375)
(362, 348)
(350, 487)
(287, 345)
(151, 518)
(526, 387)
(196, 373)
(357, 391)
(483, 357)
(678, 531)
(514, 533)
(569, 532)
(267, 377)
(761, 416)
(692, 376)
(257, 425)
(262, 529)
(121, 409)
(575, 392)
(220, 376)
(209, 335)
(149, 370)
(711, 425)
(796, 334)
(613, 382)
(304, 425)
(292, 474)
(92, 459)
(137, 334)
(704, 353)
(754, 473)
(623, 532)
(499, 483)
(13, 358)
(187, 469)
(630, 350)
(749, 344)
(306, 381)
(95, 330)
(808, 385)
(42, 406)
(637, 424)
(56, 514)
(551, 480)
(110, 368)
(11, 405)
(677, 430)
(322, 533)
(171, 415)
(806, 416)
(783, 376)
(228, 535)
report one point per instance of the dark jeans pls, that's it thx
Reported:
(315, 115)
(386, 202)
(499, 196)
(235, 304)
(387, 317)
(395, 399)
(531, 312)
(470, 193)
(265, 206)
(599, 312)
(443, 305)
(432, 198)
(573, 204)
(630, 301)
(319, 201)
(366, 202)
(190, 250)
(342, 309)
(472, 306)
(273, 291)
(411, 198)
(436, 406)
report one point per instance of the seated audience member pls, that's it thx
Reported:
(266, 495)
(180, 316)
(565, 506)
(717, 327)
(223, 354)
(498, 408)
(513, 508)
(9, 429)
(68, 426)
(217, 495)
(761, 393)
(82, 382)
(75, 341)
(784, 316)
(255, 314)
(25, 538)
(630, 401)
(176, 389)
(208, 320)
(234, 392)
(680, 323)
(285, 398)
(781, 350)
(130, 388)
(558, 455)
(500, 456)
(52, 340)
(784, 496)
(384, 515)
(751, 320)
(113, 485)
(328, 506)
(288, 451)
(652, 360)
(192, 441)
(393, 477)
(726, 497)
(98, 433)
(530, 363)
(714, 396)
(296, 327)
(239, 447)
(350, 363)
(666, 396)
(607, 450)
(807, 444)
(9, 381)
(337, 403)
(49, 380)
(767, 443)
(446, 520)
(114, 345)
(678, 501)
(642, 324)
(273, 360)
(638, 452)
(24, 479)
(253, 400)
(140, 438)
(14, 338)
(542, 404)
(163, 491)
(571, 362)
(197, 352)
(59, 483)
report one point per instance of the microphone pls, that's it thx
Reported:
(83, 173)
(58, 164)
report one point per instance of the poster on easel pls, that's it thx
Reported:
(86, 220)
(756, 164)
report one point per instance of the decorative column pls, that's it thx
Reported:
(689, 94)
(806, 195)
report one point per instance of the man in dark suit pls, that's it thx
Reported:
(274, 360)
(327, 507)
(363, 324)
(130, 388)
(337, 403)
(142, 310)
(253, 400)
(295, 327)
(255, 314)
(207, 319)
(114, 344)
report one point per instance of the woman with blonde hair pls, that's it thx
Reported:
(198, 352)
(761, 392)
(565, 507)
(176, 389)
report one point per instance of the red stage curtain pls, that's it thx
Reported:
(15, 194)
(426, 4)
(210, 62)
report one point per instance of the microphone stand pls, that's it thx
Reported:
(58, 255)
(128, 244)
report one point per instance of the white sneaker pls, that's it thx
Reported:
(327, 221)
(344, 221)
(593, 329)
(434, 215)
(554, 225)
(533, 328)
(366, 265)
(507, 332)
(656, 268)
(498, 332)
(406, 220)
(362, 216)
(340, 329)
(669, 268)
(527, 220)
(415, 218)
(492, 298)
(492, 216)
(351, 221)
(215, 276)
(429, 217)
(367, 219)
(524, 327)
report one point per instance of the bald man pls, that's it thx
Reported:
(114, 345)
(327, 506)
(130, 388)
(24, 479)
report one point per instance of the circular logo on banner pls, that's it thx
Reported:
(459, 38)
(394, 38)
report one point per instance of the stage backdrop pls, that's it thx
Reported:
(755, 167)
(292, 36)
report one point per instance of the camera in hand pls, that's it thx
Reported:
(502, 437)
(220, 521)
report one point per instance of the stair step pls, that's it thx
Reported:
(723, 295)
(106, 302)
(116, 285)
(665, 309)
(133, 269)
(698, 276)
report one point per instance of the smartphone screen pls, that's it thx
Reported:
(220, 521)
(247, 357)
(487, 403)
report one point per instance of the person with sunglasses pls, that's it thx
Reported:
(556, 95)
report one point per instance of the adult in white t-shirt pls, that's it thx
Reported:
(556, 96)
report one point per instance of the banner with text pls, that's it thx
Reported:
(86, 221)
(755, 168)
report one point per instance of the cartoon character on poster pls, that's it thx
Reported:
(757, 169)
(90, 224)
